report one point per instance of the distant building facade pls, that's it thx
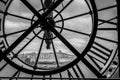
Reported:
(47, 58)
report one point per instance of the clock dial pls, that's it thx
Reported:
(45, 35)
(58, 38)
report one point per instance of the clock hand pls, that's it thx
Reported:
(51, 28)
(48, 5)
(48, 35)
(29, 6)
(27, 32)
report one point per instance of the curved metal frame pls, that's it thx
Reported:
(92, 37)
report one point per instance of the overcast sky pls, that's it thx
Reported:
(82, 24)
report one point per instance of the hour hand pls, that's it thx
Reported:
(48, 34)
(48, 37)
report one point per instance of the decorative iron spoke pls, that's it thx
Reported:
(64, 7)
(88, 35)
(106, 8)
(12, 33)
(17, 73)
(67, 44)
(17, 16)
(25, 45)
(74, 31)
(73, 17)
(38, 56)
(55, 54)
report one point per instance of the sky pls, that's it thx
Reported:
(82, 24)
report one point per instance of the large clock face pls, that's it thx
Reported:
(58, 38)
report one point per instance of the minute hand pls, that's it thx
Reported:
(27, 32)
(46, 13)
(42, 18)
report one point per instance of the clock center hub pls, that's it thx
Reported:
(50, 21)
(44, 28)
